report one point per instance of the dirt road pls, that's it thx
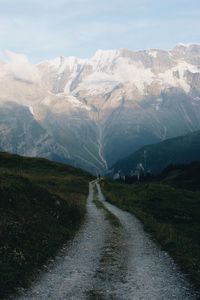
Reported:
(108, 262)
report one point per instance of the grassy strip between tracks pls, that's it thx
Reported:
(114, 221)
(170, 214)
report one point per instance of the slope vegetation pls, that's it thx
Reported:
(42, 204)
(179, 150)
(169, 208)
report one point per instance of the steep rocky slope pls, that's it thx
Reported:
(94, 112)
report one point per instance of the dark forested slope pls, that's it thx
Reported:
(179, 150)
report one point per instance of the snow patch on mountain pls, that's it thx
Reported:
(168, 78)
(153, 53)
(134, 73)
(103, 58)
(98, 82)
(31, 110)
(62, 63)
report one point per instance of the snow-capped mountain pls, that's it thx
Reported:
(94, 112)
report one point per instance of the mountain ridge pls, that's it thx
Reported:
(99, 110)
(179, 150)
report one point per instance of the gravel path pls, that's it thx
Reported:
(72, 274)
(151, 273)
(105, 262)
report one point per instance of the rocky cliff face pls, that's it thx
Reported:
(93, 112)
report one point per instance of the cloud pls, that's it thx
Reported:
(18, 66)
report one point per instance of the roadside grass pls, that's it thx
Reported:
(95, 295)
(42, 205)
(170, 214)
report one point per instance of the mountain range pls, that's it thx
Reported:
(93, 112)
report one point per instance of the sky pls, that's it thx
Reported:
(44, 29)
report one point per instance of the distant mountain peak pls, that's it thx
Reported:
(98, 110)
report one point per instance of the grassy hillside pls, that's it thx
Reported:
(180, 150)
(42, 204)
(170, 210)
(182, 176)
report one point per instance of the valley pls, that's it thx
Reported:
(99, 150)
(155, 158)
(111, 114)
(91, 113)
